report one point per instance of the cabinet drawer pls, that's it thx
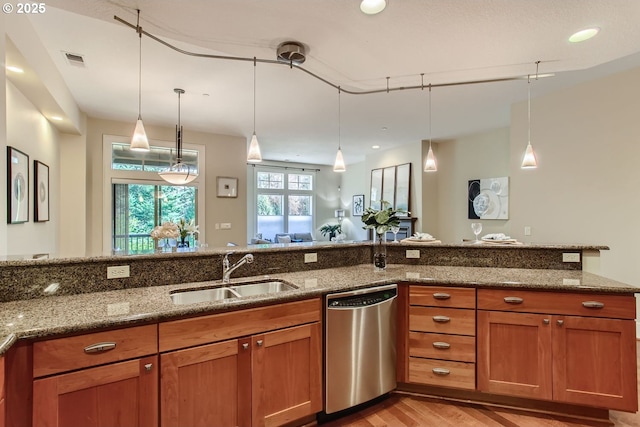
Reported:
(442, 346)
(70, 353)
(438, 296)
(184, 333)
(442, 320)
(442, 373)
(566, 303)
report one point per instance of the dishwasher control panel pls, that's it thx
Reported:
(363, 300)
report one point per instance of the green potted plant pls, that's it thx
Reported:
(331, 230)
(380, 221)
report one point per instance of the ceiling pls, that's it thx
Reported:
(297, 116)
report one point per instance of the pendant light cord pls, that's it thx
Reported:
(179, 130)
(254, 95)
(139, 30)
(429, 115)
(529, 109)
(339, 117)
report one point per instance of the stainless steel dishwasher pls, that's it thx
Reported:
(360, 346)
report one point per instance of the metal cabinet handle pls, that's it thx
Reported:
(100, 347)
(245, 346)
(545, 321)
(441, 319)
(560, 322)
(441, 295)
(513, 300)
(441, 345)
(592, 304)
(148, 367)
(440, 371)
(259, 343)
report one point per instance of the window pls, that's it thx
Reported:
(285, 203)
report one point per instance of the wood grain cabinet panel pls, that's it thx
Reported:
(439, 296)
(442, 320)
(440, 346)
(3, 412)
(442, 373)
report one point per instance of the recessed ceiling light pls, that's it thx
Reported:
(56, 118)
(384, 128)
(583, 35)
(15, 69)
(375, 147)
(371, 7)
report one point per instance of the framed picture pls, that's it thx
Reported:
(227, 186)
(17, 186)
(488, 198)
(403, 187)
(40, 191)
(358, 205)
(376, 188)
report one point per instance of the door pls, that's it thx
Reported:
(287, 375)
(205, 386)
(595, 362)
(117, 395)
(514, 354)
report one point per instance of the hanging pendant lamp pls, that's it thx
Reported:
(339, 165)
(529, 160)
(430, 164)
(179, 173)
(254, 155)
(139, 140)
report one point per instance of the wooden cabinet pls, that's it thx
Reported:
(3, 412)
(107, 391)
(563, 357)
(442, 329)
(263, 377)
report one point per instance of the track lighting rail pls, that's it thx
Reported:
(388, 89)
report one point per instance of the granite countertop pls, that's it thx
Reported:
(57, 315)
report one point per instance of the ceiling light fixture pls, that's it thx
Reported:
(372, 7)
(583, 35)
(254, 155)
(15, 69)
(529, 160)
(139, 140)
(429, 164)
(179, 173)
(339, 166)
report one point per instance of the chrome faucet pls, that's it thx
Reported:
(228, 269)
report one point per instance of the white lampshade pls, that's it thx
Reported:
(254, 155)
(371, 7)
(339, 213)
(430, 163)
(178, 174)
(139, 141)
(529, 160)
(339, 166)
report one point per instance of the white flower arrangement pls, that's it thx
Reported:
(168, 230)
(187, 228)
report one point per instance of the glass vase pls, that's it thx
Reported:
(379, 252)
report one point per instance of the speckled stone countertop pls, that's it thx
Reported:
(48, 317)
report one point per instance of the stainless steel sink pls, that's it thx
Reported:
(259, 288)
(236, 290)
(202, 295)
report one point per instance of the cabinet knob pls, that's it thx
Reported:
(560, 322)
(148, 367)
(545, 321)
(440, 371)
(592, 304)
(100, 347)
(441, 345)
(259, 343)
(441, 319)
(513, 300)
(441, 295)
(245, 346)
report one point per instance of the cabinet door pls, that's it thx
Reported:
(118, 395)
(205, 386)
(2, 393)
(514, 354)
(595, 362)
(287, 375)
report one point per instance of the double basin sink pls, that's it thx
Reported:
(236, 290)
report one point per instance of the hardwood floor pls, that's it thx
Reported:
(401, 410)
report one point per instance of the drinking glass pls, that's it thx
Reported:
(395, 230)
(477, 229)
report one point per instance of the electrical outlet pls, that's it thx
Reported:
(225, 226)
(527, 230)
(311, 257)
(570, 257)
(413, 253)
(118, 272)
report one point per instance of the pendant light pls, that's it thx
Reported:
(430, 164)
(529, 160)
(339, 166)
(179, 173)
(139, 140)
(254, 155)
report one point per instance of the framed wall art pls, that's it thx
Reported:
(488, 198)
(227, 186)
(17, 186)
(358, 205)
(393, 185)
(40, 191)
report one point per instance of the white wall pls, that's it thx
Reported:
(354, 182)
(31, 133)
(73, 184)
(3, 143)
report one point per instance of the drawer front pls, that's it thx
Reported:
(442, 320)
(442, 346)
(184, 333)
(70, 353)
(439, 296)
(566, 303)
(442, 373)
